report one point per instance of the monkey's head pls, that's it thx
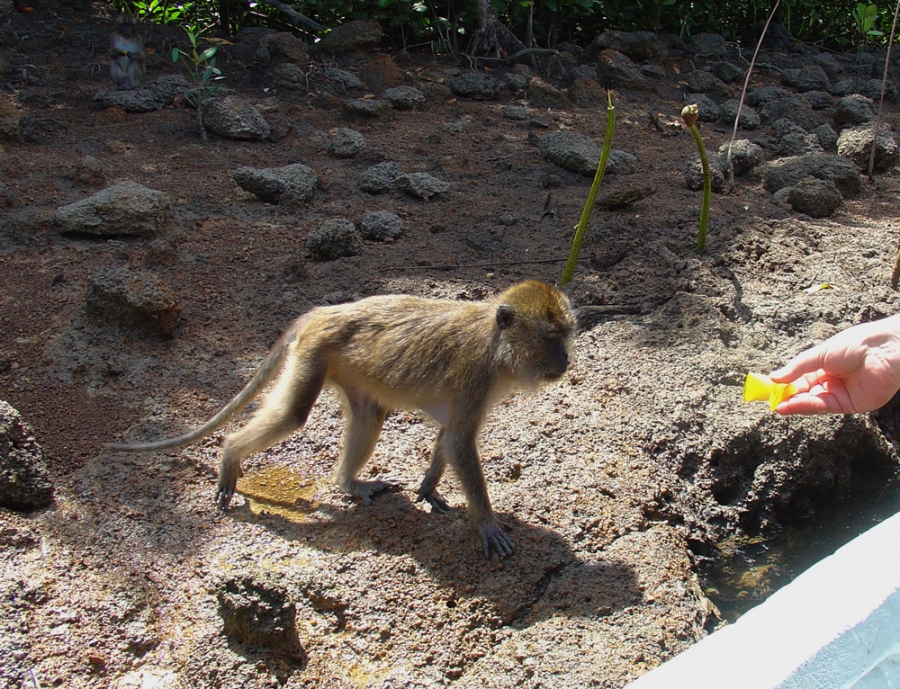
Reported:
(536, 326)
(125, 25)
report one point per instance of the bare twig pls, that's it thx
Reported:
(295, 15)
(737, 118)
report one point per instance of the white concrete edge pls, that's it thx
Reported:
(841, 617)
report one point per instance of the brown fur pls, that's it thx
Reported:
(128, 59)
(453, 360)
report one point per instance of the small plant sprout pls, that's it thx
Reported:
(760, 388)
(569, 270)
(689, 114)
(202, 70)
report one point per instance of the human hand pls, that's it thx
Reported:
(853, 372)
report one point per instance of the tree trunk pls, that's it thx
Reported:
(491, 38)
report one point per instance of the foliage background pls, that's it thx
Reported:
(435, 24)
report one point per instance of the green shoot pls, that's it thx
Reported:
(202, 70)
(690, 115)
(569, 270)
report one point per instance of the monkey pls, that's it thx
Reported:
(127, 65)
(454, 360)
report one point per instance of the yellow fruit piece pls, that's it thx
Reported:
(759, 387)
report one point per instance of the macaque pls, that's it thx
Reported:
(126, 53)
(453, 360)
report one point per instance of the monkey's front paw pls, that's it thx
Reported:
(364, 490)
(438, 504)
(492, 536)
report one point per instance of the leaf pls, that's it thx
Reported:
(208, 53)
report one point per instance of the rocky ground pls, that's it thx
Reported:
(615, 485)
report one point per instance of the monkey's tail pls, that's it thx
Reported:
(267, 370)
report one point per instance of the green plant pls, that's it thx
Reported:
(160, 11)
(569, 270)
(202, 70)
(689, 114)
(865, 17)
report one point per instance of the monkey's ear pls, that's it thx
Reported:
(505, 316)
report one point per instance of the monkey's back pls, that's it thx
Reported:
(407, 351)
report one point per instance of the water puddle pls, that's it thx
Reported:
(278, 490)
(748, 570)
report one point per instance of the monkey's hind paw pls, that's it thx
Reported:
(492, 536)
(437, 502)
(364, 490)
(223, 497)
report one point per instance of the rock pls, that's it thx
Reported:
(798, 143)
(727, 72)
(793, 107)
(745, 155)
(827, 136)
(293, 182)
(381, 225)
(334, 239)
(346, 80)
(766, 94)
(359, 34)
(707, 109)
(89, 172)
(872, 89)
(854, 109)
(540, 94)
(257, 612)
(123, 296)
(578, 153)
(126, 209)
(787, 172)
(10, 116)
(380, 178)
(616, 70)
(776, 37)
(366, 107)
(819, 100)
(486, 239)
(707, 44)
(817, 198)
(693, 173)
(24, 480)
(586, 93)
(234, 118)
(346, 143)
(807, 78)
(421, 185)
(282, 48)
(404, 97)
(477, 85)
(381, 73)
(832, 66)
(749, 117)
(155, 94)
(636, 45)
(516, 112)
(855, 143)
(701, 81)
(289, 76)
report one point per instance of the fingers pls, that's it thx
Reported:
(830, 397)
(804, 363)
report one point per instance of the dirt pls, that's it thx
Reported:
(614, 484)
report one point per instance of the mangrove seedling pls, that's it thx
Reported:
(689, 114)
(569, 270)
(202, 70)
